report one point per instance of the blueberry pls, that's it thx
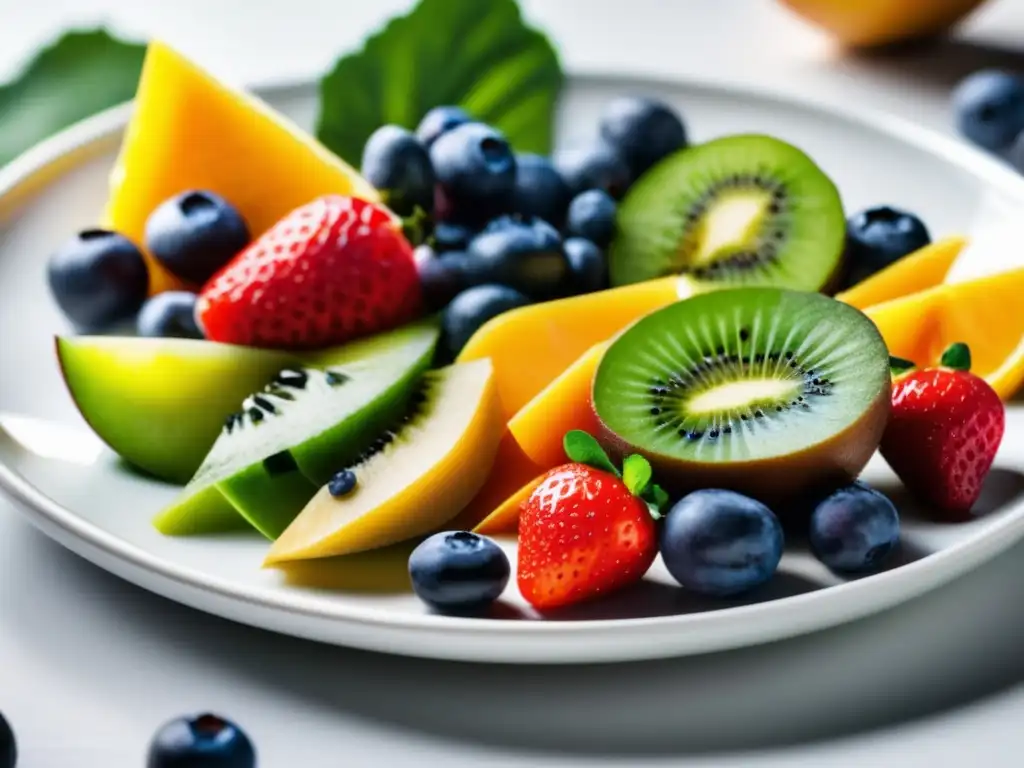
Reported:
(8, 745)
(342, 483)
(458, 571)
(449, 236)
(205, 741)
(474, 307)
(989, 108)
(171, 314)
(442, 276)
(877, 237)
(540, 190)
(476, 173)
(592, 215)
(438, 121)
(721, 543)
(594, 166)
(854, 529)
(644, 131)
(523, 253)
(398, 165)
(588, 267)
(195, 233)
(98, 278)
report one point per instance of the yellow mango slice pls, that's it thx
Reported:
(918, 271)
(540, 426)
(985, 314)
(437, 462)
(189, 131)
(505, 519)
(532, 345)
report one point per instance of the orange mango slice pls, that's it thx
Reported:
(505, 519)
(918, 271)
(189, 131)
(532, 345)
(986, 314)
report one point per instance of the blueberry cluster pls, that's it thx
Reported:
(509, 229)
(100, 279)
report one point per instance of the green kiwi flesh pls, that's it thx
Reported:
(739, 210)
(288, 438)
(765, 391)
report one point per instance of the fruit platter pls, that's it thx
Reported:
(651, 369)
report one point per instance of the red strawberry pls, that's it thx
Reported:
(586, 530)
(945, 429)
(332, 270)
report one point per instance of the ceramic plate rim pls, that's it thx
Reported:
(22, 176)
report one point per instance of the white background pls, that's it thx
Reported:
(89, 666)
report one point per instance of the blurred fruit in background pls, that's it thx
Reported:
(859, 23)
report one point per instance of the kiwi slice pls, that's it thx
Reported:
(740, 210)
(769, 392)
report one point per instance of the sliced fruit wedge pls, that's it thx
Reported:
(417, 482)
(916, 272)
(985, 314)
(505, 519)
(189, 131)
(160, 403)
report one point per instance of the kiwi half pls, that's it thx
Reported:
(769, 392)
(740, 210)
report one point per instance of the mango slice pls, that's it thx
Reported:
(189, 131)
(918, 271)
(532, 345)
(505, 519)
(985, 314)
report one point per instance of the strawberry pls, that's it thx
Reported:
(944, 431)
(587, 530)
(332, 270)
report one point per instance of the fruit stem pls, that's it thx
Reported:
(957, 357)
(416, 226)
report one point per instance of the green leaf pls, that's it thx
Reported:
(79, 74)
(636, 474)
(477, 54)
(584, 449)
(957, 357)
(657, 499)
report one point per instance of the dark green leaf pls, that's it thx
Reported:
(957, 357)
(657, 499)
(897, 365)
(81, 73)
(478, 54)
(584, 449)
(636, 474)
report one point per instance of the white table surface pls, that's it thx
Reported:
(89, 666)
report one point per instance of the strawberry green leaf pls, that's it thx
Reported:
(584, 449)
(898, 365)
(957, 357)
(75, 76)
(477, 54)
(636, 474)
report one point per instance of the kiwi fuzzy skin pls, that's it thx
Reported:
(778, 482)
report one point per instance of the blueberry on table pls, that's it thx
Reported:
(877, 237)
(588, 266)
(8, 745)
(594, 166)
(989, 108)
(592, 215)
(171, 314)
(643, 130)
(474, 307)
(98, 278)
(195, 233)
(442, 276)
(721, 543)
(476, 174)
(439, 121)
(449, 236)
(398, 165)
(205, 741)
(522, 253)
(854, 529)
(540, 190)
(458, 571)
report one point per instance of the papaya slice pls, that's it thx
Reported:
(918, 271)
(978, 312)
(505, 519)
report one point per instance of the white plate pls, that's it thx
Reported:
(69, 485)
